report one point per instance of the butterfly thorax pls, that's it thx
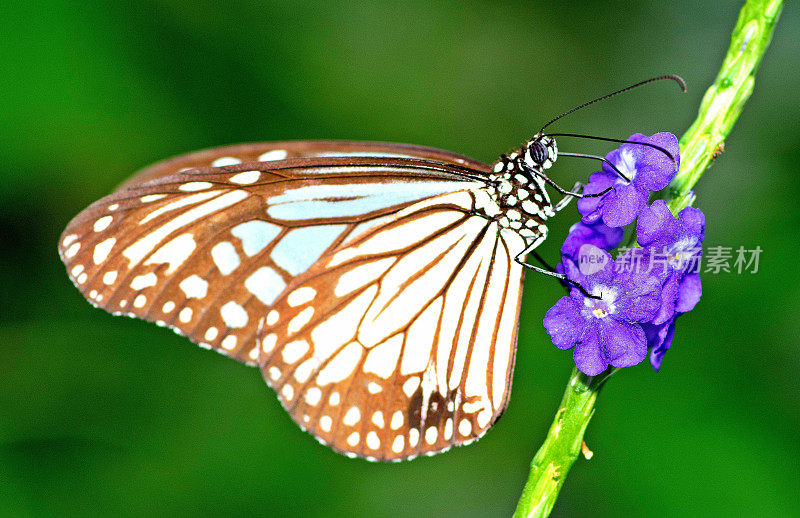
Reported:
(518, 199)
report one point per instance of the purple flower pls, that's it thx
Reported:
(648, 170)
(675, 244)
(605, 331)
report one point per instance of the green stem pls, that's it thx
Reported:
(561, 447)
(719, 110)
(724, 100)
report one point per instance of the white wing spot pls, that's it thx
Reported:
(225, 257)
(151, 197)
(398, 444)
(373, 442)
(185, 315)
(76, 270)
(288, 392)
(123, 303)
(141, 282)
(102, 223)
(397, 420)
(82, 278)
(313, 396)
(69, 239)
(195, 186)
(272, 318)
(334, 399)
(229, 342)
(168, 306)
(226, 160)
(294, 351)
(275, 154)
(113, 207)
(101, 250)
(304, 370)
(373, 387)
(299, 321)
(352, 416)
(465, 427)
(93, 294)
(246, 177)
(139, 301)
(353, 439)
(301, 296)
(448, 429)
(211, 333)
(234, 315)
(253, 354)
(269, 341)
(431, 434)
(325, 423)
(274, 373)
(377, 419)
(194, 287)
(110, 277)
(413, 437)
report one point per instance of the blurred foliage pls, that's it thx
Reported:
(110, 415)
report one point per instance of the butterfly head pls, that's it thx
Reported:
(541, 152)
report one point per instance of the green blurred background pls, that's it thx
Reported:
(110, 415)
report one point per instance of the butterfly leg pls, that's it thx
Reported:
(549, 271)
(565, 192)
(567, 199)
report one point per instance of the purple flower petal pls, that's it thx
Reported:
(669, 294)
(693, 221)
(640, 297)
(564, 323)
(689, 291)
(659, 166)
(622, 205)
(626, 344)
(597, 234)
(650, 168)
(659, 339)
(656, 224)
(589, 208)
(588, 354)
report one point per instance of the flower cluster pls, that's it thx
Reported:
(623, 312)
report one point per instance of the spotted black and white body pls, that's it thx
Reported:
(376, 286)
(517, 188)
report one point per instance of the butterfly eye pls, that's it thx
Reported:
(538, 152)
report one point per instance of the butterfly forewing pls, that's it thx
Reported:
(402, 341)
(385, 305)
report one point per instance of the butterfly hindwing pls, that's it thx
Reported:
(401, 341)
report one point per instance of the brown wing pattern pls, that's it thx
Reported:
(206, 251)
(400, 342)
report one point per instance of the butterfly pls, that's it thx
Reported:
(376, 286)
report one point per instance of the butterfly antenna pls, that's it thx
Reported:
(673, 77)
